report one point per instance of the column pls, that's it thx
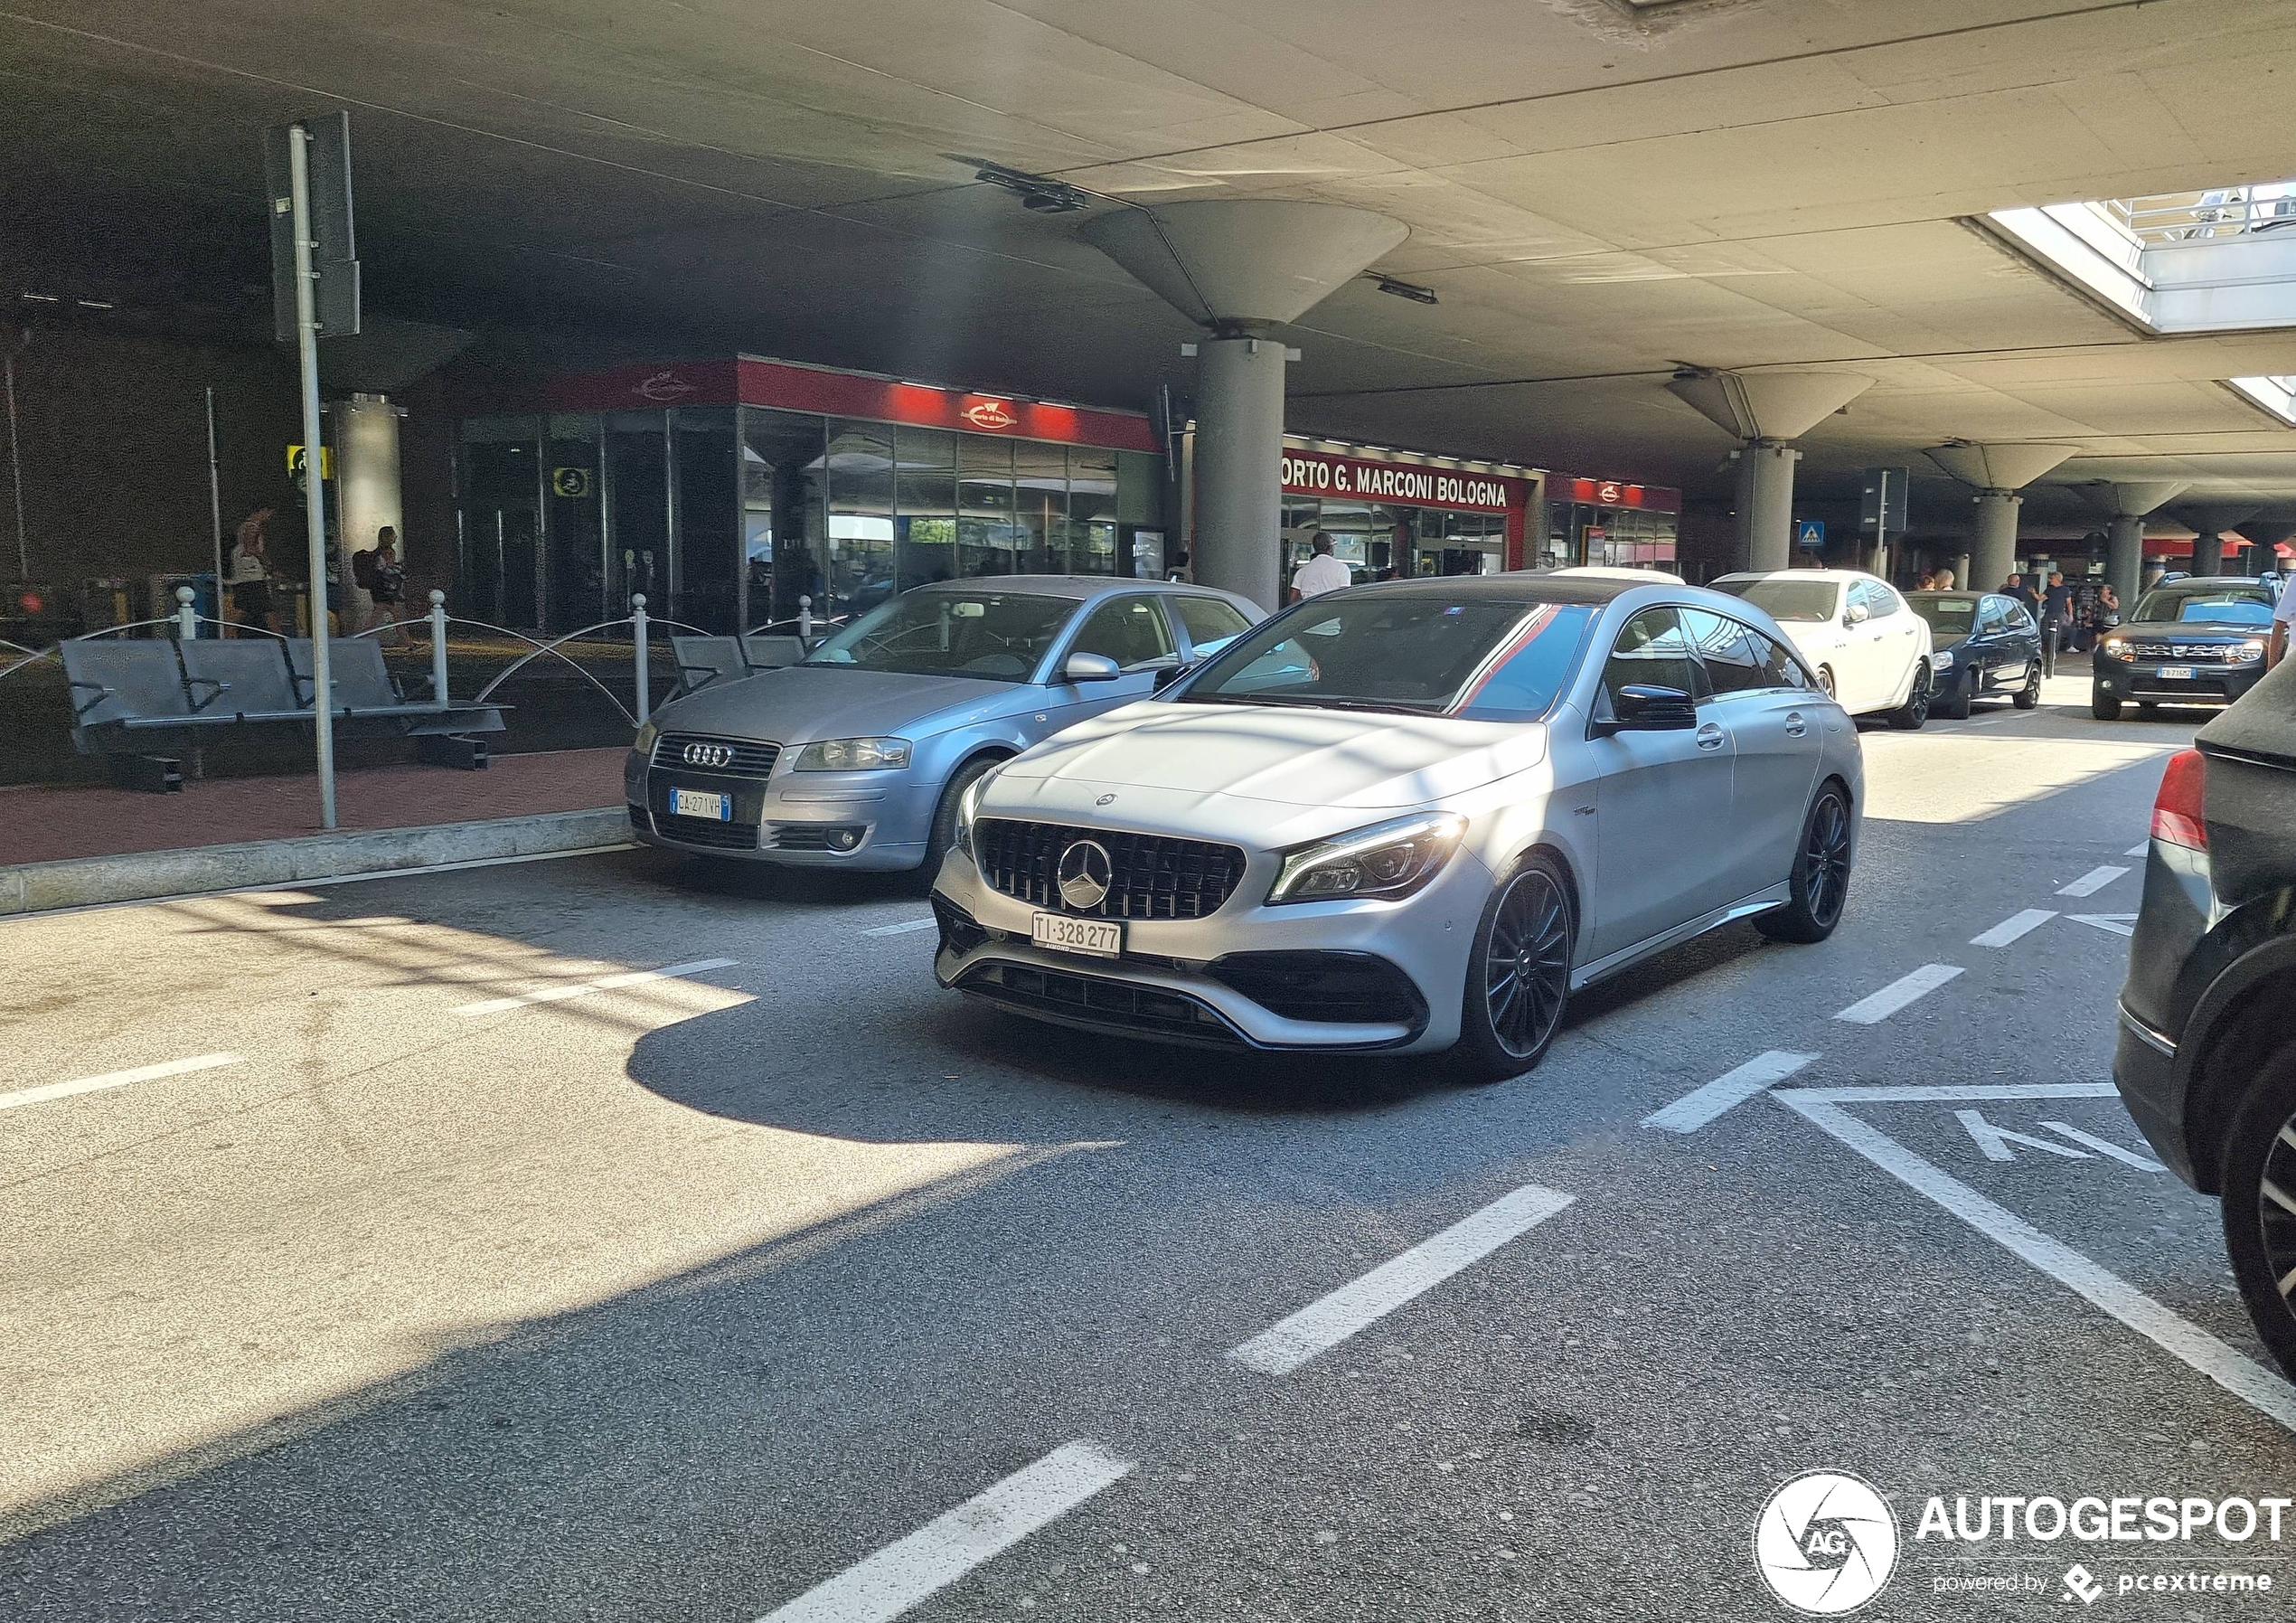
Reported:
(1992, 550)
(1239, 459)
(2125, 558)
(1766, 505)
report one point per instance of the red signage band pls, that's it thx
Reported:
(1618, 493)
(774, 383)
(1402, 484)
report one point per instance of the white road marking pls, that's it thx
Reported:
(113, 1079)
(2236, 1373)
(1898, 994)
(2014, 927)
(2091, 883)
(1995, 1141)
(607, 982)
(1322, 1324)
(1929, 1093)
(2105, 1147)
(2143, 850)
(899, 929)
(905, 1573)
(1695, 1109)
(2119, 924)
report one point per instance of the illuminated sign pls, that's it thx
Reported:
(1616, 492)
(1406, 483)
(990, 414)
(664, 387)
(1609, 491)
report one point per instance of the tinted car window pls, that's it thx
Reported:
(2018, 620)
(1128, 630)
(999, 635)
(1532, 669)
(1805, 600)
(1653, 651)
(2223, 605)
(1948, 617)
(1779, 664)
(1209, 619)
(1733, 661)
(1879, 599)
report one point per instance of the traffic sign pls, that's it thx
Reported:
(1809, 534)
(569, 481)
(334, 258)
(298, 460)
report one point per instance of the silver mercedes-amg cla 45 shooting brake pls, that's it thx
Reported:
(1405, 816)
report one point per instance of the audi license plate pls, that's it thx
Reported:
(2177, 673)
(695, 803)
(1095, 938)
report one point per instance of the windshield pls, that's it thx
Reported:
(995, 636)
(1485, 659)
(2223, 605)
(1806, 600)
(1947, 616)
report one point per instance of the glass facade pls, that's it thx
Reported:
(726, 516)
(1379, 539)
(1587, 532)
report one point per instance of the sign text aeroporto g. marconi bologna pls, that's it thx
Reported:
(1410, 484)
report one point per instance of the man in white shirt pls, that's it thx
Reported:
(1320, 574)
(2282, 618)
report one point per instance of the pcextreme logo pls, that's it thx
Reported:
(1826, 1542)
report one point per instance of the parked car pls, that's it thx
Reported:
(1869, 648)
(855, 756)
(1982, 646)
(1408, 816)
(2206, 1057)
(2198, 640)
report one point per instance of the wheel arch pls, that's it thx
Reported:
(2237, 1023)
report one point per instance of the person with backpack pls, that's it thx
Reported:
(247, 572)
(378, 574)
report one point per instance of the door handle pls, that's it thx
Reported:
(1710, 737)
(1796, 726)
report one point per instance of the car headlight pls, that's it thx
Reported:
(852, 755)
(2248, 652)
(1942, 660)
(968, 809)
(643, 742)
(1388, 860)
(2113, 647)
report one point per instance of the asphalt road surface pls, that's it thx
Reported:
(611, 1237)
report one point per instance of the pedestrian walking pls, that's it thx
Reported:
(1320, 574)
(247, 572)
(2056, 620)
(378, 572)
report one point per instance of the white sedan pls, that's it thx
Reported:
(1407, 817)
(1869, 647)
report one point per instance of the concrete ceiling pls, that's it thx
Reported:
(1597, 189)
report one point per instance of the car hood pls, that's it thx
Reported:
(2189, 632)
(804, 702)
(1281, 755)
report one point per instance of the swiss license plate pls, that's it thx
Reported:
(1095, 938)
(697, 803)
(2177, 673)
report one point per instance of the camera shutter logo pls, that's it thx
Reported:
(1087, 870)
(1826, 1542)
(709, 755)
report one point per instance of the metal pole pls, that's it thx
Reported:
(637, 625)
(215, 510)
(16, 471)
(439, 648)
(314, 485)
(186, 615)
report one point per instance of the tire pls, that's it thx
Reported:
(1820, 878)
(2028, 697)
(1825, 682)
(1953, 704)
(1909, 716)
(2260, 1236)
(2104, 708)
(1518, 978)
(943, 833)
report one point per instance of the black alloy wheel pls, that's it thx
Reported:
(1519, 977)
(2028, 697)
(1909, 716)
(1820, 883)
(2260, 1203)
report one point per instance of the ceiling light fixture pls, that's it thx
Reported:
(1040, 193)
(1402, 289)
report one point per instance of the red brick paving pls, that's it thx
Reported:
(41, 825)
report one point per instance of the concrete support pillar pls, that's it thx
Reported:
(1992, 550)
(1766, 505)
(1959, 563)
(2209, 520)
(1239, 457)
(2207, 554)
(2125, 558)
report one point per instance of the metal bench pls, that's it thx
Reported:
(245, 681)
(365, 693)
(770, 653)
(702, 660)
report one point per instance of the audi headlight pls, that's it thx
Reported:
(2248, 652)
(1942, 660)
(852, 755)
(1388, 860)
(2113, 647)
(968, 807)
(643, 742)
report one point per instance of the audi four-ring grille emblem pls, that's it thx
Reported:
(1086, 872)
(708, 755)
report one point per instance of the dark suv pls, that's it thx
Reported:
(2207, 1058)
(2199, 640)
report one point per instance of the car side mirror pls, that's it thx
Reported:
(1857, 614)
(1172, 673)
(1642, 708)
(1090, 667)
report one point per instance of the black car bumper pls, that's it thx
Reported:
(2143, 682)
(2144, 1066)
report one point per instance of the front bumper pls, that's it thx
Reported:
(2140, 681)
(869, 821)
(1373, 977)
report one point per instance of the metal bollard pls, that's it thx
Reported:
(186, 617)
(439, 649)
(805, 623)
(637, 625)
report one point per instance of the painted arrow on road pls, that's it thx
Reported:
(2119, 924)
